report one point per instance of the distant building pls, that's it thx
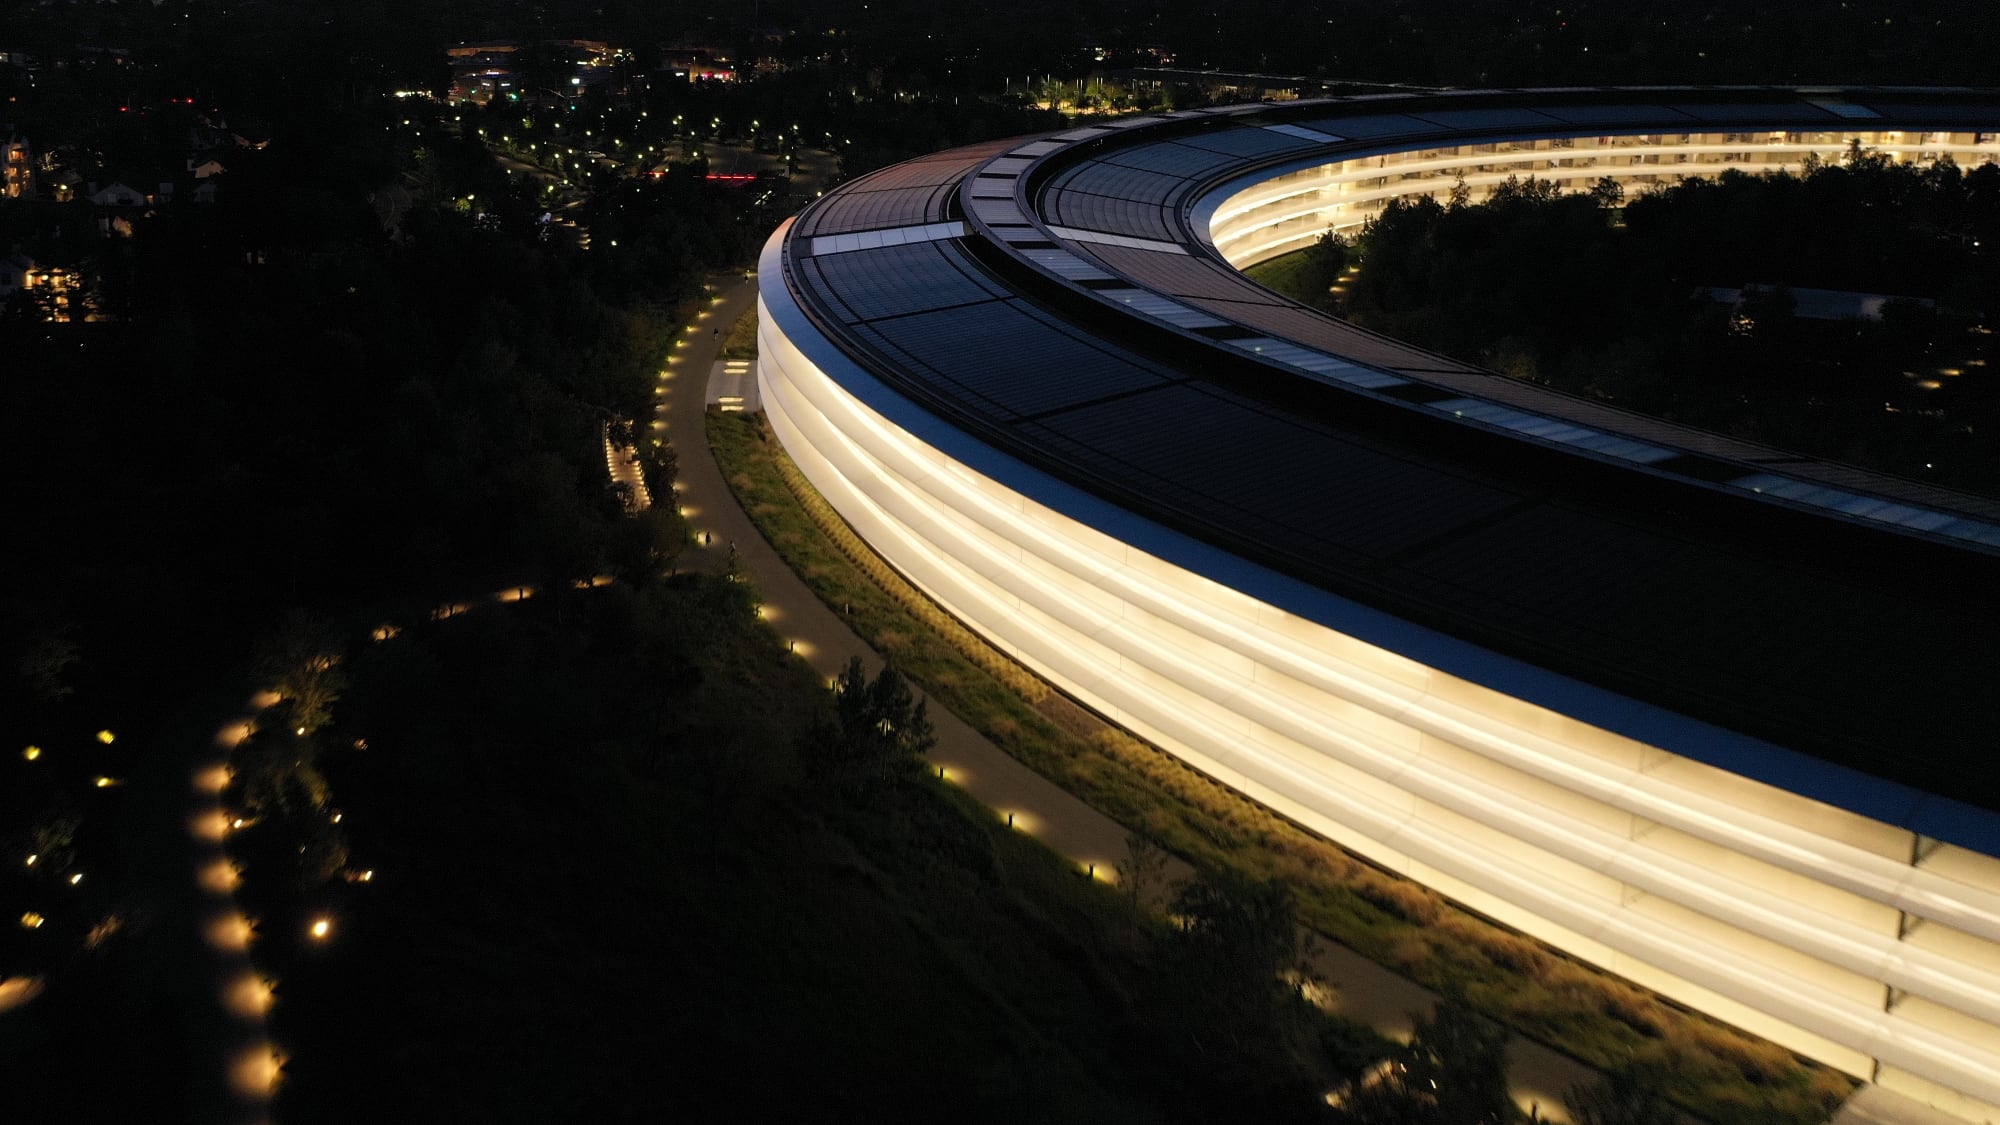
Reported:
(698, 66)
(117, 195)
(56, 291)
(17, 169)
(481, 52)
(1815, 304)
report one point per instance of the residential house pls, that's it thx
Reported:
(17, 169)
(116, 195)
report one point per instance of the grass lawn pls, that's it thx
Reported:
(1285, 274)
(742, 340)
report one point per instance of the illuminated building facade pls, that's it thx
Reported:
(17, 169)
(1704, 713)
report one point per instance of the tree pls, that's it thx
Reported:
(1324, 261)
(1236, 939)
(645, 543)
(1453, 1072)
(877, 728)
(1462, 1055)
(301, 664)
(1144, 868)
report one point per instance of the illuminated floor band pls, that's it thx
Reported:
(1853, 940)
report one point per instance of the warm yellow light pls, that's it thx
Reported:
(321, 928)
(368, 876)
(32, 752)
(106, 737)
(255, 1071)
(300, 732)
(18, 991)
(105, 782)
(32, 921)
(229, 932)
(219, 877)
(249, 996)
(76, 878)
(32, 859)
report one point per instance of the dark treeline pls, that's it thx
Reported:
(1447, 42)
(978, 47)
(366, 379)
(293, 406)
(1598, 299)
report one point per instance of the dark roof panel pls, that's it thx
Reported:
(1119, 182)
(1176, 159)
(1508, 117)
(1374, 126)
(897, 280)
(1010, 356)
(1244, 142)
(1110, 215)
(1784, 113)
(872, 210)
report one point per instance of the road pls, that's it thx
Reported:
(1364, 991)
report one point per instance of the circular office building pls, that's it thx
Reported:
(1710, 715)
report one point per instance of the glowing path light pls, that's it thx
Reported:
(252, 1071)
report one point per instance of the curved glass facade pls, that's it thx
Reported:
(1602, 823)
